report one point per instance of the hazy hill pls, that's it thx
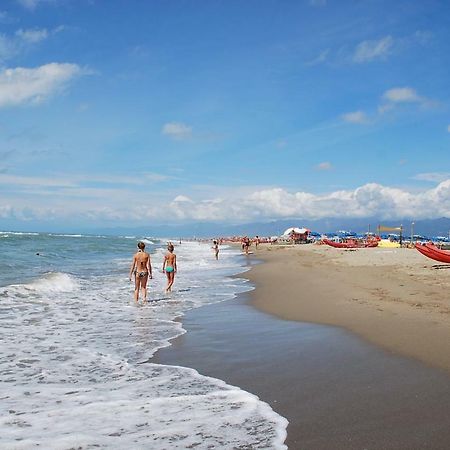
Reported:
(431, 227)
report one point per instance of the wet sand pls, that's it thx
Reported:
(395, 298)
(337, 390)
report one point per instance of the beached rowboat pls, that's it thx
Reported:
(352, 243)
(432, 252)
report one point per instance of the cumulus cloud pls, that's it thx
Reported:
(369, 200)
(368, 51)
(177, 130)
(24, 86)
(355, 117)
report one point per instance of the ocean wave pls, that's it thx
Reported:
(178, 409)
(18, 233)
(51, 282)
(85, 342)
(68, 235)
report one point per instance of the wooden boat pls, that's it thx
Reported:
(352, 243)
(432, 252)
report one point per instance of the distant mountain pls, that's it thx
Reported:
(430, 227)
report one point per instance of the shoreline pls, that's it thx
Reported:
(337, 391)
(393, 298)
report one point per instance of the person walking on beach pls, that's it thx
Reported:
(170, 266)
(256, 241)
(246, 244)
(141, 267)
(216, 249)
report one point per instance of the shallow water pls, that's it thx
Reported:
(74, 368)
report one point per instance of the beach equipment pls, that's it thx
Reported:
(352, 243)
(433, 252)
(387, 243)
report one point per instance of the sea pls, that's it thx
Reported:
(76, 367)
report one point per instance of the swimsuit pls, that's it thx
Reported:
(169, 269)
(141, 274)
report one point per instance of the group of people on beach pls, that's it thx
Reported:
(246, 242)
(141, 268)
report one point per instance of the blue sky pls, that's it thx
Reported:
(140, 112)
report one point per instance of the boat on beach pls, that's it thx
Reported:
(352, 243)
(431, 251)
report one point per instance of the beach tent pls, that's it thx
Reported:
(295, 230)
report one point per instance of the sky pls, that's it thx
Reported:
(132, 113)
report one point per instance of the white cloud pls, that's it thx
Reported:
(367, 51)
(18, 180)
(448, 128)
(324, 166)
(33, 35)
(355, 117)
(22, 85)
(76, 181)
(182, 198)
(177, 130)
(57, 199)
(434, 177)
(402, 95)
(23, 40)
(395, 97)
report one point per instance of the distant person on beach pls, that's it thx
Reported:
(256, 241)
(216, 249)
(245, 244)
(170, 266)
(141, 268)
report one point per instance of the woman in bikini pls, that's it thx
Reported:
(142, 270)
(170, 266)
(216, 249)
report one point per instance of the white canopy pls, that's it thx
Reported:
(295, 230)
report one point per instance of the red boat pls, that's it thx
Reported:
(352, 243)
(432, 252)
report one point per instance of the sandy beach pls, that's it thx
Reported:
(369, 370)
(395, 298)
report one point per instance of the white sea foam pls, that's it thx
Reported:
(50, 283)
(68, 235)
(76, 370)
(19, 233)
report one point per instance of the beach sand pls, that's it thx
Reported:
(337, 389)
(395, 298)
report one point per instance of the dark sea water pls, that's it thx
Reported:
(75, 350)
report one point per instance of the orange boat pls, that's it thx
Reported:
(432, 252)
(352, 243)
